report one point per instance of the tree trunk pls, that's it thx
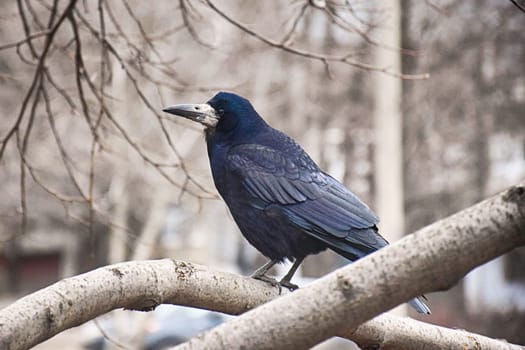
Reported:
(388, 126)
(388, 129)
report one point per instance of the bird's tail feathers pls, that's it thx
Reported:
(352, 253)
(419, 305)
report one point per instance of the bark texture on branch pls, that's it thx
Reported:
(433, 258)
(137, 285)
(389, 332)
(61, 306)
(142, 285)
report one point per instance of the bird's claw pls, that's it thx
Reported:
(280, 284)
(269, 280)
(289, 285)
(266, 279)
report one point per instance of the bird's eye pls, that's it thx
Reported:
(221, 112)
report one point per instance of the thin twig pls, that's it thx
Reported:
(518, 5)
(288, 38)
(184, 8)
(312, 55)
(27, 39)
(38, 71)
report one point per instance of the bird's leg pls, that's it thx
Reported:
(285, 281)
(259, 274)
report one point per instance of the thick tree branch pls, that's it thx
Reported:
(434, 258)
(389, 332)
(78, 299)
(138, 285)
(494, 226)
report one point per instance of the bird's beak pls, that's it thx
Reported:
(200, 113)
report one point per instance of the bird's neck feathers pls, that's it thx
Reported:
(245, 128)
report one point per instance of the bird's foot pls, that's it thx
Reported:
(289, 285)
(267, 279)
(281, 284)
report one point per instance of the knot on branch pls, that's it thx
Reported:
(371, 347)
(344, 285)
(183, 269)
(515, 194)
(474, 343)
(50, 319)
(117, 272)
(146, 305)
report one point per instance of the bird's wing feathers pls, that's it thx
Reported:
(311, 199)
(272, 176)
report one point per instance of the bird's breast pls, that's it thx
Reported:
(226, 182)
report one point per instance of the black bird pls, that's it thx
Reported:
(283, 203)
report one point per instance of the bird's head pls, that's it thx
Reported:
(225, 112)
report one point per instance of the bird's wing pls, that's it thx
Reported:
(311, 199)
(273, 177)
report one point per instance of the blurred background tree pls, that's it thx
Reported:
(92, 172)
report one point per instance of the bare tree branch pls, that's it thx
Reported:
(186, 13)
(38, 72)
(76, 62)
(391, 332)
(518, 5)
(143, 284)
(26, 40)
(433, 258)
(289, 37)
(308, 54)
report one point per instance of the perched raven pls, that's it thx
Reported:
(283, 203)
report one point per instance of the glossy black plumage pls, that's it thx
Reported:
(283, 203)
